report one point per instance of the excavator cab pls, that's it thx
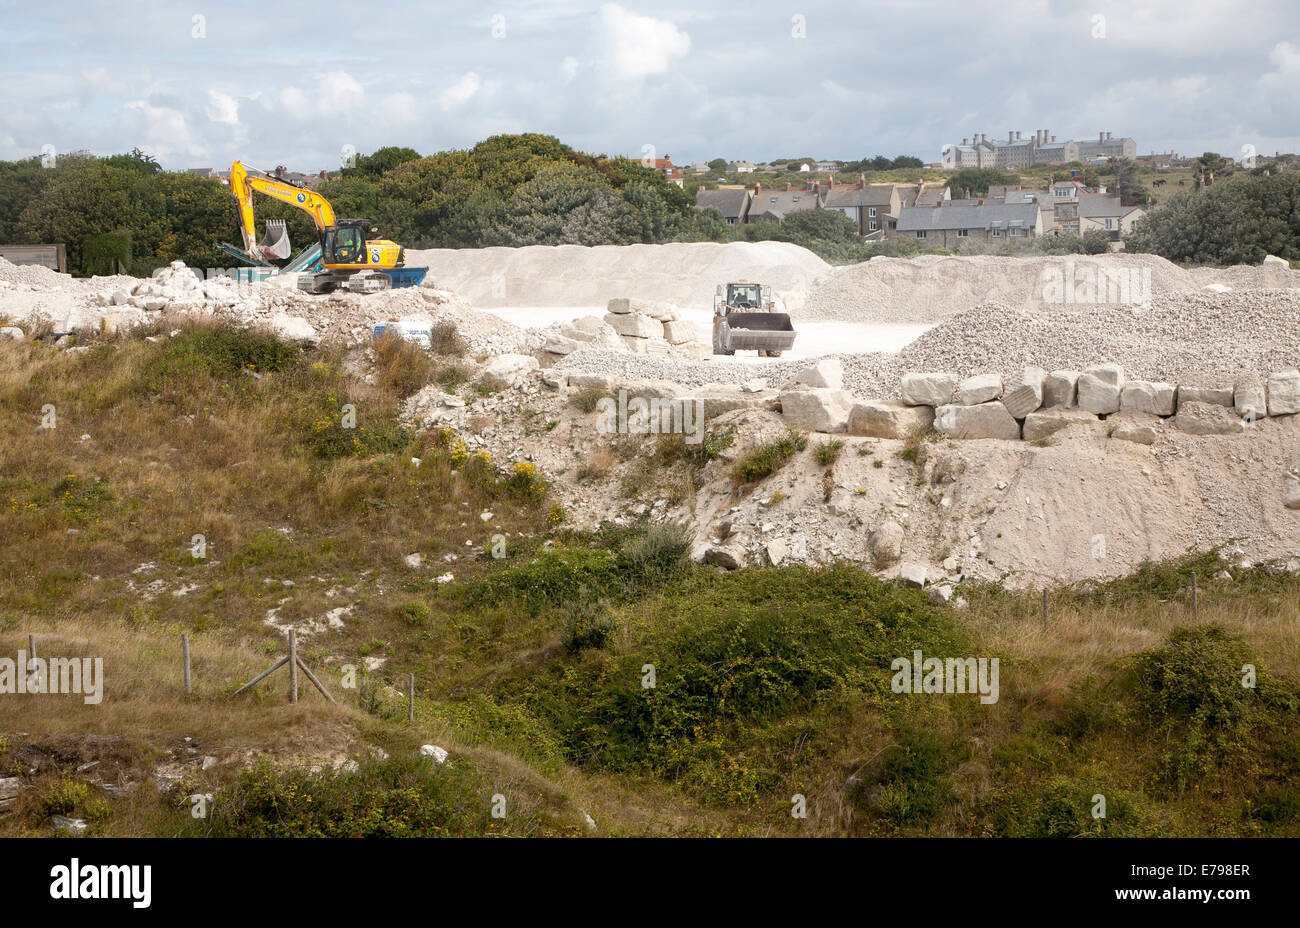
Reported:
(344, 243)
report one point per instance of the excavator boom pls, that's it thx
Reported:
(347, 259)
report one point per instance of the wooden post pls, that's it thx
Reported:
(293, 667)
(410, 697)
(1044, 608)
(261, 676)
(1194, 603)
(185, 656)
(31, 646)
(311, 677)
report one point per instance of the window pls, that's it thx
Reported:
(1016, 233)
(1110, 223)
(920, 234)
(873, 225)
(995, 233)
(871, 211)
(962, 233)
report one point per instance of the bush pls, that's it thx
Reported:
(828, 452)
(1192, 691)
(587, 397)
(765, 460)
(63, 798)
(526, 482)
(403, 796)
(587, 623)
(661, 552)
(221, 351)
(402, 366)
(414, 613)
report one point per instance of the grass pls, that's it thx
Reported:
(599, 673)
(764, 460)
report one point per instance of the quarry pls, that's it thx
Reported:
(1016, 420)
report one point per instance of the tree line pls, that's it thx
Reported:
(125, 213)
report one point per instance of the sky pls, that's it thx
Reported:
(201, 83)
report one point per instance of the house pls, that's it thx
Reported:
(947, 225)
(700, 167)
(871, 206)
(826, 167)
(732, 202)
(665, 167)
(741, 167)
(775, 205)
(1099, 212)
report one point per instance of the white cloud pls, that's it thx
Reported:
(165, 130)
(639, 46)
(222, 108)
(338, 92)
(568, 69)
(398, 108)
(460, 92)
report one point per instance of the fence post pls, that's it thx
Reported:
(293, 667)
(31, 647)
(185, 655)
(410, 697)
(1044, 608)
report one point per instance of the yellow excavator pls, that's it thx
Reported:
(346, 259)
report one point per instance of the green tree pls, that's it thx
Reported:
(719, 165)
(978, 181)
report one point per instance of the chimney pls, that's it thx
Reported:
(963, 141)
(1011, 136)
(758, 188)
(1053, 138)
(1101, 136)
(787, 186)
(862, 181)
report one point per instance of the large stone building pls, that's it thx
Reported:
(1016, 151)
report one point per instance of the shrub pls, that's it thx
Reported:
(526, 481)
(445, 339)
(828, 452)
(403, 796)
(1191, 689)
(414, 613)
(63, 797)
(765, 460)
(219, 351)
(402, 366)
(659, 553)
(587, 623)
(587, 397)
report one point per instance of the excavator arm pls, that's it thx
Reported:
(243, 181)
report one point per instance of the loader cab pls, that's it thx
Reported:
(744, 296)
(344, 243)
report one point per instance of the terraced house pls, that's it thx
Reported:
(947, 225)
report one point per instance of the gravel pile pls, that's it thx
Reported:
(684, 273)
(1192, 337)
(1179, 338)
(933, 288)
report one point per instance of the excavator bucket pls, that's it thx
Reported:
(275, 244)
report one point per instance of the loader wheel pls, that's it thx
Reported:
(774, 353)
(726, 351)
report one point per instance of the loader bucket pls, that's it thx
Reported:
(275, 244)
